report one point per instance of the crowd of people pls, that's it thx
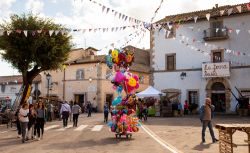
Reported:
(30, 119)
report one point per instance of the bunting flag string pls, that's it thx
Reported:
(121, 16)
(156, 11)
(64, 31)
(243, 8)
(127, 39)
(185, 41)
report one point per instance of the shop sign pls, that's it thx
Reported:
(210, 70)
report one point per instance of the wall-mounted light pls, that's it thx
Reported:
(183, 75)
(90, 79)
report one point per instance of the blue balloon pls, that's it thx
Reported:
(114, 112)
(117, 101)
(110, 124)
(109, 61)
(119, 89)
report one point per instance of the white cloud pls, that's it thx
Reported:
(36, 6)
(5, 8)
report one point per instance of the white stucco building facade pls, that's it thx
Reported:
(178, 57)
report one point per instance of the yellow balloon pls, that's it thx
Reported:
(115, 53)
(132, 82)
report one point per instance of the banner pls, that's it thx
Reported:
(211, 70)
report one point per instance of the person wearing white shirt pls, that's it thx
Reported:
(24, 120)
(65, 111)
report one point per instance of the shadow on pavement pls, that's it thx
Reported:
(201, 146)
(194, 121)
(86, 143)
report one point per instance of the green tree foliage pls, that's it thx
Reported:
(37, 51)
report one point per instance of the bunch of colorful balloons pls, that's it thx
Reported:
(124, 118)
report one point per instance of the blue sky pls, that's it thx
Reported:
(84, 14)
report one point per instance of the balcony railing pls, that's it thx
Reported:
(215, 34)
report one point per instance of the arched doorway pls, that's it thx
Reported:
(217, 90)
(218, 97)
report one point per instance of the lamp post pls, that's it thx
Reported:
(48, 77)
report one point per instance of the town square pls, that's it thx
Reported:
(125, 76)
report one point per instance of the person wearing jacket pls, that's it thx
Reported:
(23, 118)
(40, 120)
(206, 115)
(65, 111)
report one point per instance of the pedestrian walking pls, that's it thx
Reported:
(89, 107)
(145, 112)
(23, 118)
(65, 111)
(40, 120)
(50, 111)
(18, 126)
(106, 112)
(206, 115)
(76, 110)
(32, 120)
(186, 107)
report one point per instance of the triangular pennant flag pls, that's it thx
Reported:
(229, 11)
(248, 6)
(195, 19)
(115, 13)
(103, 8)
(208, 16)
(108, 10)
(90, 30)
(112, 29)
(83, 30)
(19, 31)
(39, 31)
(51, 32)
(216, 30)
(9, 32)
(239, 8)
(25, 33)
(123, 16)
(237, 31)
(120, 15)
(168, 33)
(126, 18)
(56, 32)
(103, 29)
(222, 12)
(33, 33)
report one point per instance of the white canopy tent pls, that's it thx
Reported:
(150, 92)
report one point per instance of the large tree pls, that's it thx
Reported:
(30, 46)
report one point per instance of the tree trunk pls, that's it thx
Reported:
(28, 78)
(26, 92)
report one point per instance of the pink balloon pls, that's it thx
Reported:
(119, 77)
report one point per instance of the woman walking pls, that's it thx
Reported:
(40, 120)
(23, 118)
(32, 120)
(76, 109)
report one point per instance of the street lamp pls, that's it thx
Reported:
(48, 77)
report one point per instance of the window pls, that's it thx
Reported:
(109, 73)
(80, 74)
(215, 28)
(3, 88)
(217, 56)
(170, 62)
(193, 97)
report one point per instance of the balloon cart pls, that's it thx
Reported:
(124, 120)
(127, 135)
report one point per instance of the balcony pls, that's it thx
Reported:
(215, 34)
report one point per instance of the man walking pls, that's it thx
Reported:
(89, 107)
(106, 112)
(206, 114)
(65, 111)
